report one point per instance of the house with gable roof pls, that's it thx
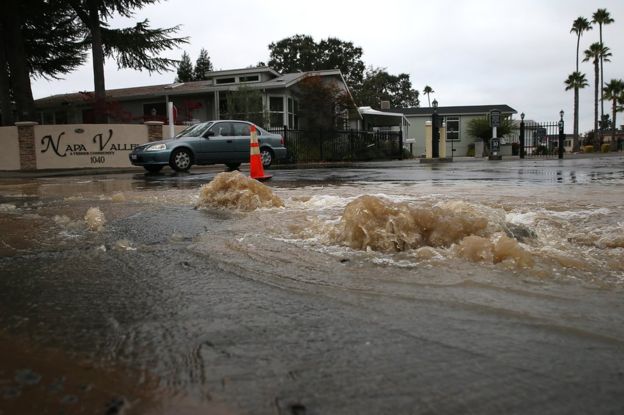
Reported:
(194, 101)
(456, 118)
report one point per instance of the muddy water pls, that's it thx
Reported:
(334, 295)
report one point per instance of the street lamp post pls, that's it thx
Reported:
(435, 125)
(452, 146)
(522, 135)
(561, 134)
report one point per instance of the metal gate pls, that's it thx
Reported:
(537, 139)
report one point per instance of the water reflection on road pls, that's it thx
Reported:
(307, 309)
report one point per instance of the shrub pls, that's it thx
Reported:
(471, 150)
(587, 149)
(605, 148)
(540, 151)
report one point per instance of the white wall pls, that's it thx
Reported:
(9, 149)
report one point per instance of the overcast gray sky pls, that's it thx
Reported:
(469, 51)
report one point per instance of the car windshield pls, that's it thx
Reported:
(196, 130)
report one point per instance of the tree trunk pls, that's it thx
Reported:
(578, 44)
(614, 142)
(596, 132)
(97, 51)
(576, 145)
(20, 73)
(601, 82)
(6, 109)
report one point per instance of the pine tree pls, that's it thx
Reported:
(203, 66)
(37, 38)
(137, 47)
(185, 69)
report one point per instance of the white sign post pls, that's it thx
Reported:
(170, 116)
(495, 122)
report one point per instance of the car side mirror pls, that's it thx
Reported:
(209, 134)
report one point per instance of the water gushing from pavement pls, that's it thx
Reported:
(312, 288)
(232, 190)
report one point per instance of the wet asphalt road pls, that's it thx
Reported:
(318, 341)
(509, 173)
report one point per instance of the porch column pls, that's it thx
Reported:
(216, 105)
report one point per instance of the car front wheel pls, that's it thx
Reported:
(266, 154)
(181, 160)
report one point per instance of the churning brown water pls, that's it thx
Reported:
(235, 191)
(340, 295)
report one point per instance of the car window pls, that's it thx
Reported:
(241, 128)
(222, 129)
(196, 130)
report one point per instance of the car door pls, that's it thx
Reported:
(217, 142)
(242, 137)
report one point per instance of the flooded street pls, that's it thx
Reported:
(379, 288)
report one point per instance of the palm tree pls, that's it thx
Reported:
(596, 52)
(428, 90)
(614, 91)
(576, 81)
(579, 26)
(601, 17)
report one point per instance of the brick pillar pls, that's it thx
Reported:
(154, 130)
(26, 138)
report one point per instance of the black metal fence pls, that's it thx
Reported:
(540, 139)
(340, 145)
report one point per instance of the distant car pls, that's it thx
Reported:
(210, 142)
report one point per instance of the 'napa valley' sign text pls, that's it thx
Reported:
(88, 146)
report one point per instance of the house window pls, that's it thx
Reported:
(241, 105)
(452, 128)
(226, 81)
(249, 78)
(276, 111)
(156, 111)
(293, 113)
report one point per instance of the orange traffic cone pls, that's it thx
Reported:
(256, 171)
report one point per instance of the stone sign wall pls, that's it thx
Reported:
(29, 146)
(9, 149)
(86, 145)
